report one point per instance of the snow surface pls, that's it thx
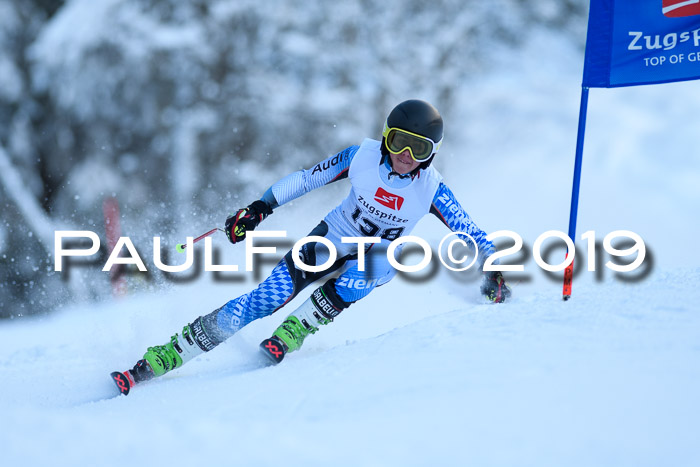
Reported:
(422, 374)
(435, 378)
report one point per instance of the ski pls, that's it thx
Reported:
(273, 349)
(124, 381)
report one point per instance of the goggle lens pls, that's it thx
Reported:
(398, 141)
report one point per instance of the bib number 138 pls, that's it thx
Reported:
(370, 229)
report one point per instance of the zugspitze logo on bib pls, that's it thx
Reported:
(387, 199)
(679, 8)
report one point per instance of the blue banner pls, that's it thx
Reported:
(633, 42)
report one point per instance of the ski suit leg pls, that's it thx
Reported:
(328, 301)
(272, 294)
(208, 331)
(353, 284)
(281, 286)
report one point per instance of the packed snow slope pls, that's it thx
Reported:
(430, 378)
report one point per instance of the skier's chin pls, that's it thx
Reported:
(402, 167)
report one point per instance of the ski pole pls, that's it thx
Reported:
(181, 246)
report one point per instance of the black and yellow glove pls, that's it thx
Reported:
(243, 220)
(494, 287)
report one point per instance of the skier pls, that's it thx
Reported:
(393, 185)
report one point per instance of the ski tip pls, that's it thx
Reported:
(122, 382)
(273, 350)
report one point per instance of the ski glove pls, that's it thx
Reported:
(494, 287)
(238, 223)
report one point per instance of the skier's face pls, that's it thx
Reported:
(403, 163)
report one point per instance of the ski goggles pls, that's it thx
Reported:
(420, 147)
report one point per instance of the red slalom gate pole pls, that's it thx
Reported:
(568, 279)
(110, 211)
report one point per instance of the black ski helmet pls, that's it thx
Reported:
(419, 117)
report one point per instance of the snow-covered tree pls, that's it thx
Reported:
(186, 109)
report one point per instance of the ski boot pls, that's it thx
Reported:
(494, 287)
(288, 337)
(319, 309)
(161, 359)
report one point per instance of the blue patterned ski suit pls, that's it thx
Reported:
(286, 281)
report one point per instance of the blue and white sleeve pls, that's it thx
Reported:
(446, 207)
(303, 181)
